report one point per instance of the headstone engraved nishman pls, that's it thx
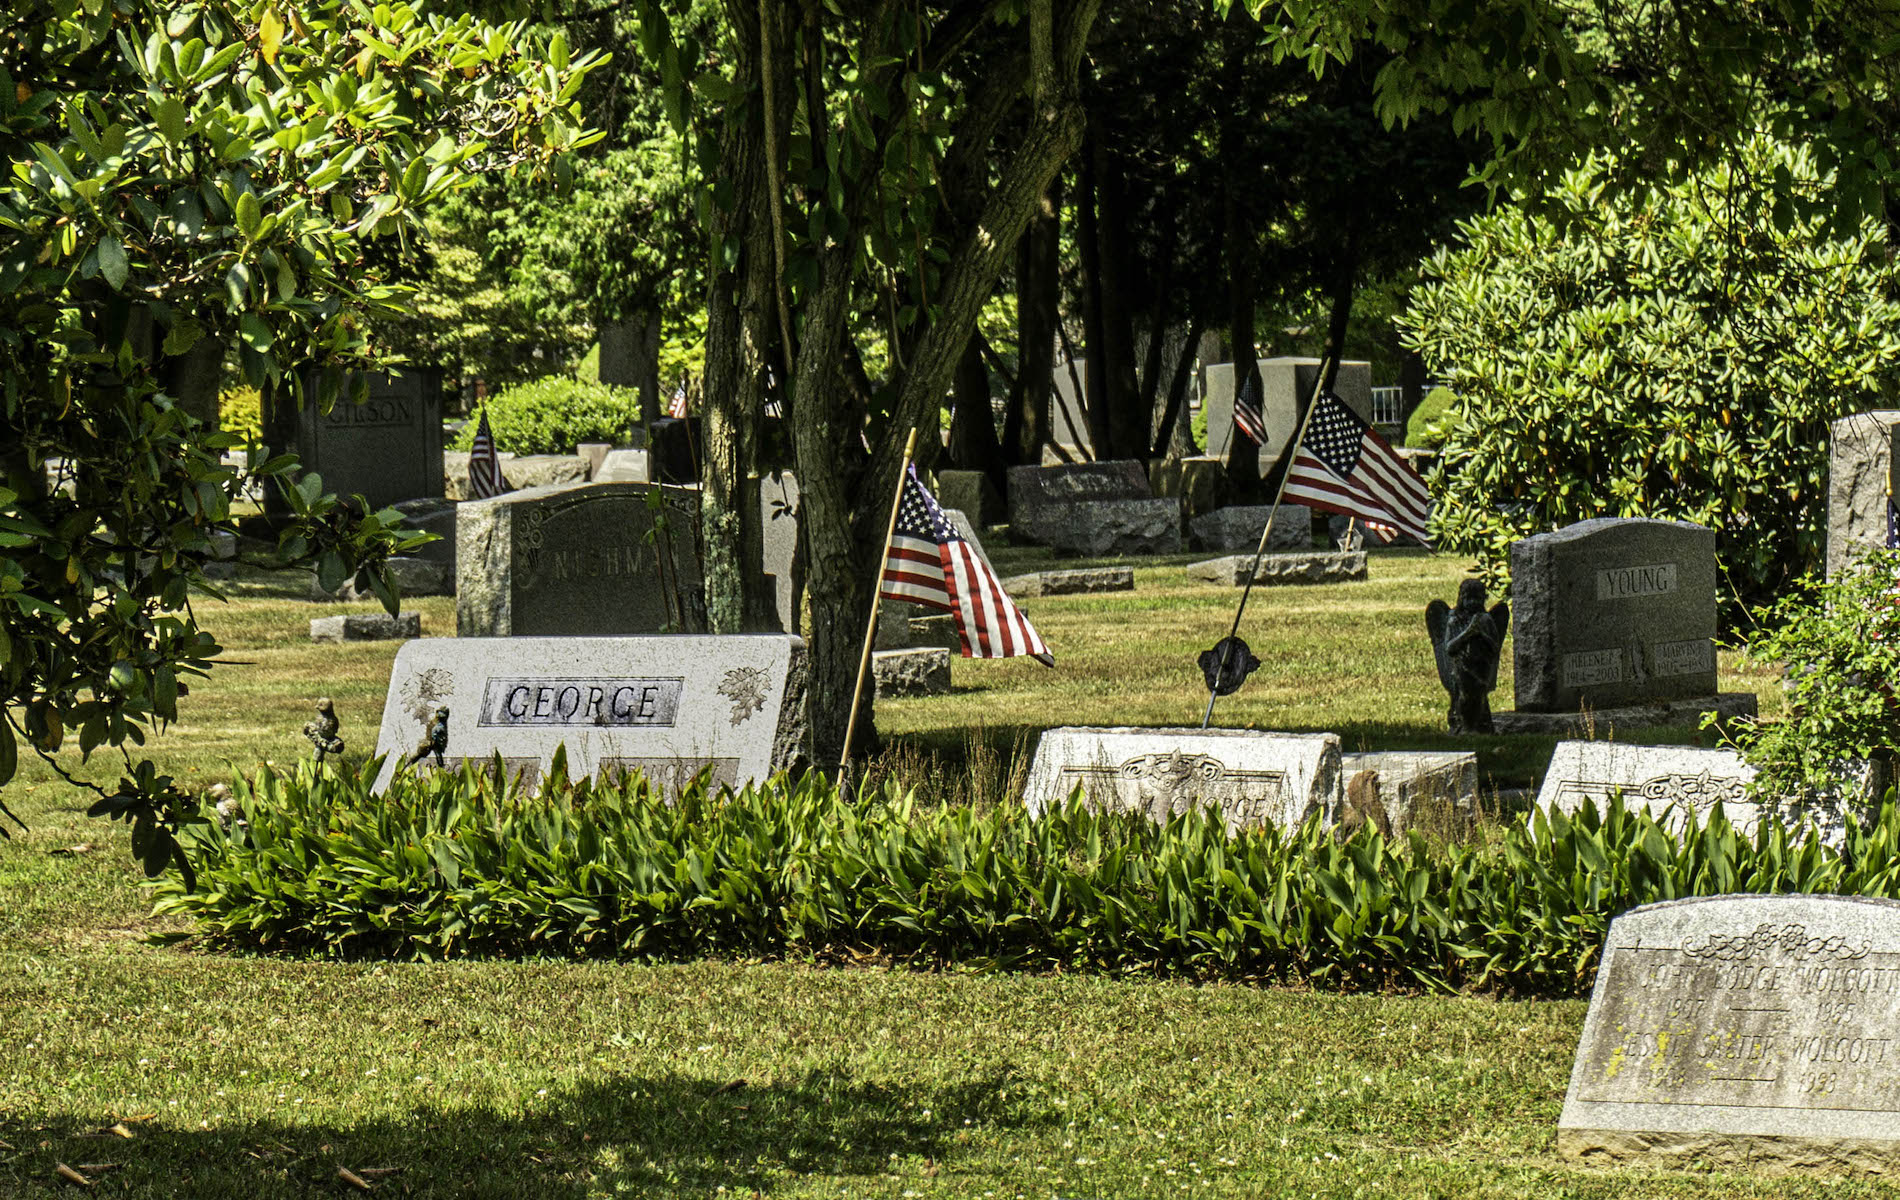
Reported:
(582, 558)
(668, 706)
(1759, 1031)
(1251, 777)
(1613, 611)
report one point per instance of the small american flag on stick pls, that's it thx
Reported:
(676, 407)
(930, 564)
(484, 465)
(1344, 466)
(1247, 418)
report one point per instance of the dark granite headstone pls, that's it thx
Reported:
(1613, 611)
(577, 559)
(388, 448)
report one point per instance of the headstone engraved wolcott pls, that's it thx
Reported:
(1744, 1030)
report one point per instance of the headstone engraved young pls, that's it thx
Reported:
(1251, 777)
(1758, 1031)
(1860, 476)
(1613, 611)
(386, 449)
(580, 558)
(668, 706)
(1286, 384)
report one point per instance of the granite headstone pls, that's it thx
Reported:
(1757, 1031)
(386, 449)
(1286, 384)
(577, 559)
(1613, 611)
(1251, 777)
(1860, 476)
(667, 706)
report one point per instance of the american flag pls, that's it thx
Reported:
(1247, 417)
(1344, 466)
(484, 465)
(676, 408)
(930, 564)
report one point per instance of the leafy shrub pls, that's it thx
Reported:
(1431, 422)
(554, 414)
(1672, 353)
(1839, 641)
(240, 411)
(453, 864)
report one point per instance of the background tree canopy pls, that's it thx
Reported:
(1665, 353)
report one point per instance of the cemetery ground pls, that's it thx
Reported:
(241, 1076)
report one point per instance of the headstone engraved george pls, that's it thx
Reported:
(387, 448)
(1286, 384)
(1860, 476)
(580, 558)
(666, 705)
(1744, 1030)
(1251, 777)
(1614, 611)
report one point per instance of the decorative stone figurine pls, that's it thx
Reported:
(1467, 642)
(322, 731)
(435, 740)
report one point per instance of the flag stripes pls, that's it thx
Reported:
(485, 479)
(930, 564)
(1344, 466)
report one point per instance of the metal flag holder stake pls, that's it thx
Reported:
(877, 589)
(1221, 681)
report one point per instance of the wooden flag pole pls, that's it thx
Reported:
(1260, 552)
(877, 587)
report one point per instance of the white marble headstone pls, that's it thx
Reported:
(665, 705)
(1251, 777)
(1666, 781)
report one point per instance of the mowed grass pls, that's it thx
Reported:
(263, 1077)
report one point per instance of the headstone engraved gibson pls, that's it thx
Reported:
(386, 449)
(1744, 1030)
(668, 706)
(1613, 611)
(1251, 777)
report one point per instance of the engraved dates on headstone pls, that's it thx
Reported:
(1743, 1026)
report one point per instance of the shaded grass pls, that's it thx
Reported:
(244, 1077)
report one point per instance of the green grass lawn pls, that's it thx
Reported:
(262, 1077)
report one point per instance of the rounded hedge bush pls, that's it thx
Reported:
(554, 414)
(1430, 423)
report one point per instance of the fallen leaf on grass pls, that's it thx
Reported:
(354, 1180)
(99, 1168)
(734, 1086)
(116, 1129)
(71, 1176)
(380, 1172)
(81, 848)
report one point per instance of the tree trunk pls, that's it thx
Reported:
(1038, 264)
(973, 444)
(1239, 250)
(1123, 414)
(1345, 278)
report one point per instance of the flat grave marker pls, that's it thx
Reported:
(1756, 1031)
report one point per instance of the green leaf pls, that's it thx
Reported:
(249, 214)
(255, 333)
(112, 262)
